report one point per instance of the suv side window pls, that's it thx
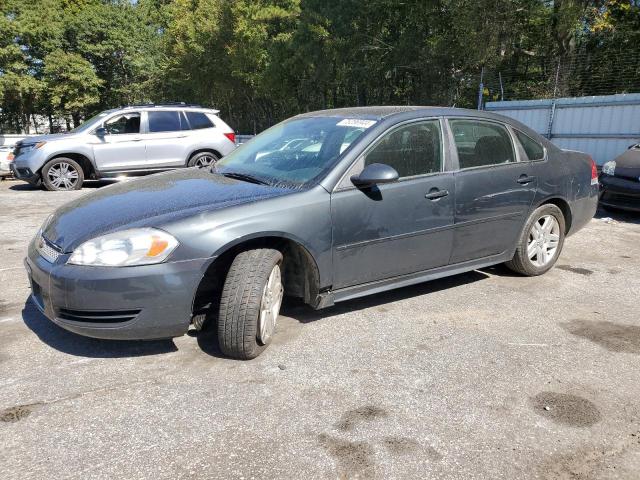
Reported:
(481, 143)
(121, 124)
(413, 149)
(533, 149)
(198, 120)
(165, 121)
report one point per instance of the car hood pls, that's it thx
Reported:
(628, 164)
(47, 138)
(150, 201)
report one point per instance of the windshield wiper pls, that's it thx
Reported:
(245, 177)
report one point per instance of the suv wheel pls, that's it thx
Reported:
(203, 159)
(62, 174)
(540, 242)
(250, 303)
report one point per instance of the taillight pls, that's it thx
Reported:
(10, 157)
(231, 136)
(594, 172)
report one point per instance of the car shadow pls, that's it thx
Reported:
(73, 344)
(297, 310)
(88, 184)
(618, 215)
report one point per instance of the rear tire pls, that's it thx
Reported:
(253, 286)
(203, 160)
(61, 174)
(540, 242)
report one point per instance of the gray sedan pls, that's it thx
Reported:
(371, 199)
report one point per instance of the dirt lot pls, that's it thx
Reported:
(484, 375)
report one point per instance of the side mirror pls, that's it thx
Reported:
(374, 174)
(101, 132)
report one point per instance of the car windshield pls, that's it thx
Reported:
(296, 152)
(86, 125)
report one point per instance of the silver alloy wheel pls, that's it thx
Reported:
(205, 161)
(63, 175)
(544, 238)
(270, 305)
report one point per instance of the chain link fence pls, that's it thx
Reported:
(578, 74)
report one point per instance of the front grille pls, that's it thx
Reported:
(107, 316)
(47, 250)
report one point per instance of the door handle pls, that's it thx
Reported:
(524, 179)
(435, 194)
(136, 139)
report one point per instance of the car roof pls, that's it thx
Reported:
(151, 107)
(382, 112)
(409, 112)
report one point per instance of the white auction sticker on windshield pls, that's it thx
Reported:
(355, 122)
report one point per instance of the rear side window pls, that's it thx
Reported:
(534, 150)
(198, 120)
(413, 149)
(481, 143)
(165, 121)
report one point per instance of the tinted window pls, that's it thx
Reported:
(412, 150)
(126, 123)
(164, 121)
(198, 120)
(481, 143)
(534, 149)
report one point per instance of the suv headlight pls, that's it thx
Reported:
(31, 146)
(139, 246)
(609, 168)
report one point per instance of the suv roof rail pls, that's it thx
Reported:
(165, 104)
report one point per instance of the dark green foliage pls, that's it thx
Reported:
(260, 61)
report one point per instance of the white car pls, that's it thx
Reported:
(133, 140)
(6, 157)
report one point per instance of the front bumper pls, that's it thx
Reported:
(125, 303)
(24, 173)
(620, 193)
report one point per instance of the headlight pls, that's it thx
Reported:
(609, 168)
(32, 146)
(140, 246)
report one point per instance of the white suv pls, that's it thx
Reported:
(133, 140)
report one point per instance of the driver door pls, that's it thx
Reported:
(122, 147)
(396, 228)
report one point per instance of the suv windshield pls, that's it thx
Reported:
(88, 123)
(296, 152)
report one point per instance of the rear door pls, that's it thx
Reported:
(167, 138)
(397, 228)
(122, 147)
(494, 190)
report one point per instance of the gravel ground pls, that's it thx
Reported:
(484, 375)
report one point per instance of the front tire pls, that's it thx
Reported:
(250, 303)
(540, 242)
(61, 174)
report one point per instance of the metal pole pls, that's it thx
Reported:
(481, 89)
(501, 89)
(555, 87)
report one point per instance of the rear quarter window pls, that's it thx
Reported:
(198, 120)
(533, 149)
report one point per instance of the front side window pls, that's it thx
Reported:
(481, 143)
(198, 120)
(413, 149)
(122, 124)
(164, 121)
(533, 149)
(295, 152)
